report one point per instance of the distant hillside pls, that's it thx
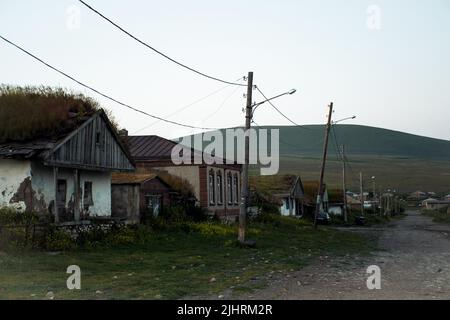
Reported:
(398, 160)
(362, 140)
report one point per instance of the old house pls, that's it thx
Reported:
(435, 204)
(309, 200)
(64, 168)
(335, 202)
(216, 187)
(135, 194)
(284, 190)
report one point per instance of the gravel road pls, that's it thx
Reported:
(414, 259)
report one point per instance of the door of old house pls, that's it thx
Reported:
(61, 193)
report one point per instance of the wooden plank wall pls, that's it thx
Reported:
(92, 147)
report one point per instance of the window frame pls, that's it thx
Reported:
(211, 188)
(230, 194)
(219, 185)
(88, 199)
(236, 188)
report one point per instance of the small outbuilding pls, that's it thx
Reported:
(134, 195)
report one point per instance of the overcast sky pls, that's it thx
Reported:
(386, 61)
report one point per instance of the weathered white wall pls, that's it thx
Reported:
(292, 205)
(12, 174)
(335, 210)
(283, 209)
(101, 191)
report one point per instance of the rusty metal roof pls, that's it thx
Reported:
(150, 147)
(131, 178)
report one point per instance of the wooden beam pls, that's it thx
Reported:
(77, 195)
(55, 183)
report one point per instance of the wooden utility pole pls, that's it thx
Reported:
(322, 169)
(244, 189)
(344, 184)
(374, 197)
(361, 192)
(55, 204)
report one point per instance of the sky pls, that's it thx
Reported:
(386, 61)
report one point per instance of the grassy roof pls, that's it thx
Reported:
(41, 112)
(271, 185)
(335, 195)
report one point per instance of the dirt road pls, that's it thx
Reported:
(414, 259)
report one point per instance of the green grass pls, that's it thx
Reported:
(438, 216)
(400, 161)
(171, 265)
(404, 175)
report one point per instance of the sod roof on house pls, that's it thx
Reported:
(335, 196)
(273, 185)
(33, 113)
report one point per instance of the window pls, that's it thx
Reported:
(288, 202)
(236, 188)
(87, 197)
(153, 203)
(230, 188)
(61, 192)
(212, 193)
(219, 188)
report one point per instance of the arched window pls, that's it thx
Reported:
(211, 189)
(236, 188)
(229, 188)
(219, 182)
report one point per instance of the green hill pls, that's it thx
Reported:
(362, 140)
(398, 160)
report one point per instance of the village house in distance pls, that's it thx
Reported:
(215, 187)
(57, 158)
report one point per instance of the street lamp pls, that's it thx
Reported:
(345, 119)
(344, 183)
(250, 110)
(256, 105)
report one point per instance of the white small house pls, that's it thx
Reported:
(66, 171)
(285, 190)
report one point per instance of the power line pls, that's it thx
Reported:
(184, 108)
(155, 50)
(100, 93)
(221, 105)
(343, 157)
(281, 113)
(336, 145)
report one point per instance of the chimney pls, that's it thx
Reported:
(123, 134)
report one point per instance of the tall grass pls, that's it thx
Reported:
(30, 112)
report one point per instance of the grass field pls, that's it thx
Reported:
(391, 172)
(172, 265)
(400, 161)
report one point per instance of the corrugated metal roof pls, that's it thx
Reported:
(150, 147)
(158, 148)
(131, 178)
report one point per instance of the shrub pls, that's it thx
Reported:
(16, 228)
(58, 240)
(212, 229)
